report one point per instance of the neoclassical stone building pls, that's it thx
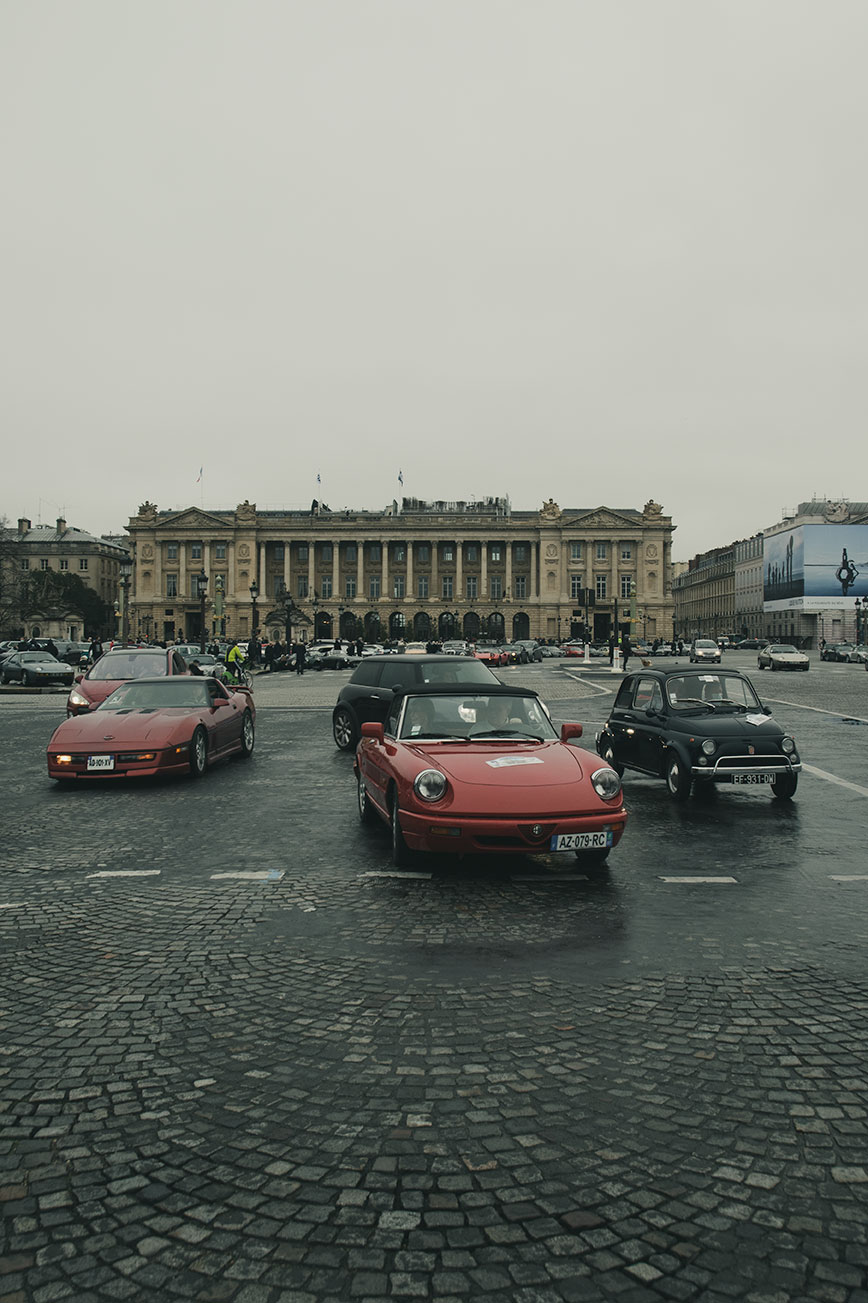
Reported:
(418, 570)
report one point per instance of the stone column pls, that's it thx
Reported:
(533, 571)
(336, 571)
(263, 573)
(459, 570)
(384, 581)
(311, 568)
(408, 591)
(360, 570)
(483, 571)
(508, 578)
(435, 570)
(287, 578)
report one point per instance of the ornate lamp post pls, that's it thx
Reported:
(254, 593)
(287, 598)
(201, 590)
(126, 570)
(314, 601)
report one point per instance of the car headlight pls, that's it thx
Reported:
(709, 746)
(606, 783)
(788, 745)
(76, 698)
(430, 785)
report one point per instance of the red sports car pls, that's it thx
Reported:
(490, 654)
(470, 769)
(177, 724)
(119, 666)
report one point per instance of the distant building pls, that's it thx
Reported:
(420, 570)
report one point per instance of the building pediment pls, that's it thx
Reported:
(602, 518)
(195, 518)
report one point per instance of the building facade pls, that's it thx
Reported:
(415, 571)
(34, 549)
(704, 595)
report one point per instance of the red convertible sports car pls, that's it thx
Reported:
(155, 726)
(465, 770)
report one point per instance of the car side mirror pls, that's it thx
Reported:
(220, 701)
(373, 729)
(570, 730)
(78, 678)
(766, 710)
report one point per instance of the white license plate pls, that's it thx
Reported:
(580, 841)
(753, 778)
(98, 764)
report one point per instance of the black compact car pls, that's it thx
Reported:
(698, 725)
(368, 695)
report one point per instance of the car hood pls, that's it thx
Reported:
(787, 656)
(724, 726)
(513, 765)
(121, 726)
(45, 665)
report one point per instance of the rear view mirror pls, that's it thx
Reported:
(570, 730)
(373, 730)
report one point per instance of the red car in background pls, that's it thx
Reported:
(119, 666)
(491, 654)
(178, 724)
(469, 769)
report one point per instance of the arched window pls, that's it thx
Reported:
(471, 626)
(397, 624)
(422, 626)
(520, 626)
(496, 628)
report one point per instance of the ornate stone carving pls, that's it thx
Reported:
(651, 550)
(147, 551)
(836, 512)
(244, 550)
(551, 551)
(652, 508)
(550, 510)
(148, 511)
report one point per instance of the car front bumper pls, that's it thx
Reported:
(726, 768)
(475, 834)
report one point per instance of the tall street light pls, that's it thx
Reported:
(254, 593)
(201, 590)
(287, 597)
(126, 570)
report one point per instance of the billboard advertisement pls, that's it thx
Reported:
(815, 567)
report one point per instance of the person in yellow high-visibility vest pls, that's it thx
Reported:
(234, 661)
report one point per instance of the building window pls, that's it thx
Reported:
(325, 552)
(626, 585)
(195, 551)
(374, 552)
(496, 552)
(278, 551)
(399, 553)
(447, 552)
(82, 563)
(472, 585)
(45, 564)
(351, 552)
(374, 589)
(575, 551)
(601, 551)
(496, 583)
(219, 551)
(519, 554)
(577, 592)
(325, 587)
(398, 586)
(600, 587)
(25, 563)
(446, 588)
(303, 552)
(171, 551)
(626, 552)
(64, 565)
(350, 588)
(423, 553)
(301, 585)
(171, 585)
(422, 586)
(471, 552)
(519, 584)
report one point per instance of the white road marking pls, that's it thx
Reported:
(126, 873)
(686, 879)
(849, 877)
(11, 906)
(820, 710)
(566, 879)
(273, 875)
(833, 778)
(395, 873)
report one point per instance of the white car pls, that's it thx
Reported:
(782, 656)
(704, 649)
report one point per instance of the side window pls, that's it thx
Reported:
(366, 674)
(391, 724)
(656, 698)
(644, 693)
(179, 665)
(398, 675)
(624, 698)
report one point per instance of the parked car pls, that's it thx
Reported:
(573, 648)
(177, 724)
(752, 644)
(491, 654)
(705, 650)
(837, 651)
(326, 656)
(118, 666)
(696, 726)
(548, 651)
(368, 695)
(34, 669)
(782, 656)
(481, 769)
(531, 646)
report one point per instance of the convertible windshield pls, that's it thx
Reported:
(716, 691)
(134, 665)
(461, 715)
(176, 693)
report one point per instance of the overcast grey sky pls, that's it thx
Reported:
(599, 252)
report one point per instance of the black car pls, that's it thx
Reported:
(699, 725)
(368, 695)
(533, 648)
(837, 651)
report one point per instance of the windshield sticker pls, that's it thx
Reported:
(757, 719)
(708, 678)
(502, 761)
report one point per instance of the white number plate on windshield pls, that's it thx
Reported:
(753, 778)
(580, 841)
(100, 763)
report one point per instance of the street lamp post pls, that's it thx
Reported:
(254, 593)
(314, 601)
(126, 570)
(287, 597)
(201, 589)
(861, 610)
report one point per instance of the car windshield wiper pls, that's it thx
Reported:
(693, 702)
(436, 737)
(505, 732)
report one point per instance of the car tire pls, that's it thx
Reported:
(608, 754)
(248, 734)
(784, 787)
(344, 730)
(760, 665)
(198, 753)
(367, 813)
(401, 854)
(772, 666)
(678, 778)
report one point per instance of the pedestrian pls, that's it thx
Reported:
(612, 649)
(680, 646)
(300, 654)
(269, 658)
(626, 649)
(95, 649)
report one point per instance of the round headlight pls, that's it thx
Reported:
(788, 745)
(709, 746)
(77, 699)
(430, 785)
(606, 783)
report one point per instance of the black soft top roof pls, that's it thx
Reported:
(463, 689)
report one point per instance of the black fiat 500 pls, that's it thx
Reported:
(698, 726)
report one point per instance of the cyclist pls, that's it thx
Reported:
(235, 662)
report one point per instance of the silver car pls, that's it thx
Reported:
(704, 649)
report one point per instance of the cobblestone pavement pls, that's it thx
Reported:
(324, 1081)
